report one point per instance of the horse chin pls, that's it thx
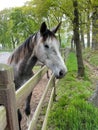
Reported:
(58, 72)
(59, 77)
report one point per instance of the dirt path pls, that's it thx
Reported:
(94, 70)
(4, 56)
(36, 96)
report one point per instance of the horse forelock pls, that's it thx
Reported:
(48, 34)
(24, 49)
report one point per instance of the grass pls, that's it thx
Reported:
(72, 111)
(36, 68)
(91, 56)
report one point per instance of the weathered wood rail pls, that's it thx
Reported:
(6, 80)
(7, 97)
(10, 100)
(3, 118)
(38, 109)
(27, 88)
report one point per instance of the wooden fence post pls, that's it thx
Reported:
(54, 85)
(7, 96)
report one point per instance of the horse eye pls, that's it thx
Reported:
(46, 46)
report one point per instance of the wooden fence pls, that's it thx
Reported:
(10, 100)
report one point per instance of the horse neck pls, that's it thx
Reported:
(23, 59)
(30, 64)
(19, 55)
(27, 63)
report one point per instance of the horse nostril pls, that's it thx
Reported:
(61, 73)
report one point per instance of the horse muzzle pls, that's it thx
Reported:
(61, 74)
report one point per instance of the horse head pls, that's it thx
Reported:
(47, 50)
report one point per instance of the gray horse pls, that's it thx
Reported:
(42, 46)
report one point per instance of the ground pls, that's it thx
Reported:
(94, 75)
(36, 96)
(92, 68)
(4, 56)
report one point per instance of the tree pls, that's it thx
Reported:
(56, 10)
(95, 24)
(24, 23)
(5, 28)
(76, 39)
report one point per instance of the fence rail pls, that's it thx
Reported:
(3, 119)
(6, 79)
(48, 110)
(7, 97)
(27, 88)
(38, 109)
(11, 100)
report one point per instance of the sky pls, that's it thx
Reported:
(11, 3)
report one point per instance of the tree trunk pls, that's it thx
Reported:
(82, 37)
(76, 39)
(72, 43)
(13, 42)
(82, 41)
(88, 38)
(88, 31)
(95, 29)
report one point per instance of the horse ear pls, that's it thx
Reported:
(56, 29)
(43, 28)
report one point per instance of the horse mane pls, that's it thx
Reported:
(22, 50)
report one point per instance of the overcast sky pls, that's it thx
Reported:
(11, 3)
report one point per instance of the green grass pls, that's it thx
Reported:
(36, 68)
(72, 111)
(91, 56)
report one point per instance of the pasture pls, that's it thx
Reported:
(72, 110)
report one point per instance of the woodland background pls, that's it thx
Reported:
(79, 32)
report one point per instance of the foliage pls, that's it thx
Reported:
(72, 111)
(5, 25)
(24, 23)
(18, 23)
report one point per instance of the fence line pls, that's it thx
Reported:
(3, 119)
(23, 92)
(7, 96)
(10, 103)
(38, 109)
(6, 79)
(48, 110)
